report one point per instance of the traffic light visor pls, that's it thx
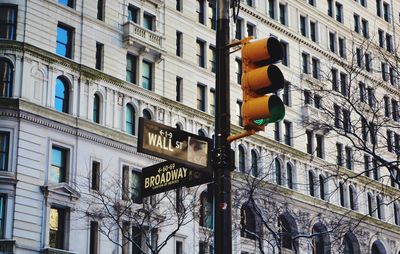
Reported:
(268, 49)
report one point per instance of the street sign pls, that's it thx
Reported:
(169, 175)
(176, 145)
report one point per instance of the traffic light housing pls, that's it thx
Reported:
(259, 80)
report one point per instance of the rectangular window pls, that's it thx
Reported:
(249, 3)
(346, 120)
(371, 97)
(239, 112)
(397, 143)
(282, 14)
(211, 21)
(330, 8)
(94, 237)
(364, 129)
(178, 5)
(64, 40)
(375, 169)
(317, 101)
(339, 154)
(149, 21)
(3, 203)
(4, 150)
(238, 70)
(271, 9)
(125, 182)
(251, 30)
(395, 110)
(342, 47)
(179, 88)
(384, 71)
(238, 30)
(386, 12)
(200, 11)
(305, 59)
(339, 12)
(356, 23)
(364, 27)
(100, 9)
(379, 8)
(200, 54)
(307, 97)
(389, 40)
(309, 135)
(343, 84)
(99, 55)
(336, 109)
(8, 22)
(367, 57)
(392, 75)
(313, 31)
(137, 239)
(381, 38)
(147, 69)
(367, 168)
(179, 43)
(285, 58)
(131, 68)
(320, 146)
(57, 228)
(95, 175)
(315, 68)
(359, 57)
(212, 58)
(361, 88)
(332, 42)
(277, 132)
(286, 94)
(212, 101)
(386, 102)
(58, 170)
(389, 139)
(303, 30)
(349, 158)
(312, 2)
(133, 14)
(288, 133)
(69, 3)
(201, 97)
(178, 247)
(334, 74)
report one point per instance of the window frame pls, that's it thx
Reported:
(68, 44)
(10, 27)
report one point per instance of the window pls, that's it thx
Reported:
(179, 89)
(239, 112)
(3, 203)
(99, 55)
(330, 8)
(69, 3)
(212, 59)
(384, 71)
(364, 27)
(135, 189)
(4, 151)
(367, 168)
(146, 114)
(321, 187)
(94, 237)
(100, 9)
(125, 182)
(356, 23)
(8, 22)
(346, 121)
(381, 38)
(136, 237)
(147, 77)
(395, 110)
(288, 133)
(339, 154)
(247, 223)
(352, 198)
(371, 97)
(95, 175)
(133, 14)
(386, 12)
(282, 14)
(178, 247)
(332, 42)
(64, 41)
(335, 86)
(96, 108)
(206, 208)
(251, 30)
(61, 102)
(341, 194)
(211, 21)
(369, 204)
(392, 75)
(179, 41)
(212, 101)
(313, 31)
(131, 68)
(130, 119)
(309, 135)
(361, 89)
(286, 231)
(287, 94)
(57, 228)
(339, 12)
(271, 9)
(317, 101)
(337, 119)
(278, 172)
(178, 5)
(379, 207)
(201, 97)
(320, 146)
(242, 160)
(315, 68)
(58, 170)
(343, 84)
(200, 54)
(379, 8)
(386, 101)
(389, 42)
(238, 30)
(149, 21)
(305, 59)
(249, 3)
(303, 30)
(289, 175)
(349, 157)
(238, 70)
(179, 200)
(368, 63)
(254, 163)
(312, 2)
(307, 97)
(277, 132)
(6, 77)
(285, 58)
(359, 57)
(342, 47)
(396, 214)
(200, 11)
(311, 184)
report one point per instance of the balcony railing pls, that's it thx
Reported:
(7, 246)
(56, 251)
(134, 33)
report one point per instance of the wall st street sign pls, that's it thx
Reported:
(176, 145)
(169, 175)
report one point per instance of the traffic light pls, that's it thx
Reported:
(260, 79)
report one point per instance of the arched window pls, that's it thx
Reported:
(289, 175)
(241, 159)
(146, 114)
(62, 95)
(287, 229)
(396, 214)
(378, 248)
(278, 172)
(321, 187)
(201, 133)
(311, 183)
(341, 194)
(247, 223)
(254, 162)
(6, 78)
(350, 244)
(321, 242)
(96, 108)
(379, 207)
(130, 119)
(369, 203)
(206, 210)
(348, 247)
(352, 198)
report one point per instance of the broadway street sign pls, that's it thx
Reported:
(169, 175)
(172, 144)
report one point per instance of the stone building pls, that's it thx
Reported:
(76, 75)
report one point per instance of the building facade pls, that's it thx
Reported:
(76, 75)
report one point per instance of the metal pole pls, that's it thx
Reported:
(222, 152)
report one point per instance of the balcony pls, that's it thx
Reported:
(7, 246)
(55, 251)
(314, 117)
(136, 34)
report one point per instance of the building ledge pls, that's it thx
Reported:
(55, 251)
(7, 246)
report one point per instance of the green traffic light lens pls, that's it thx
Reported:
(276, 110)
